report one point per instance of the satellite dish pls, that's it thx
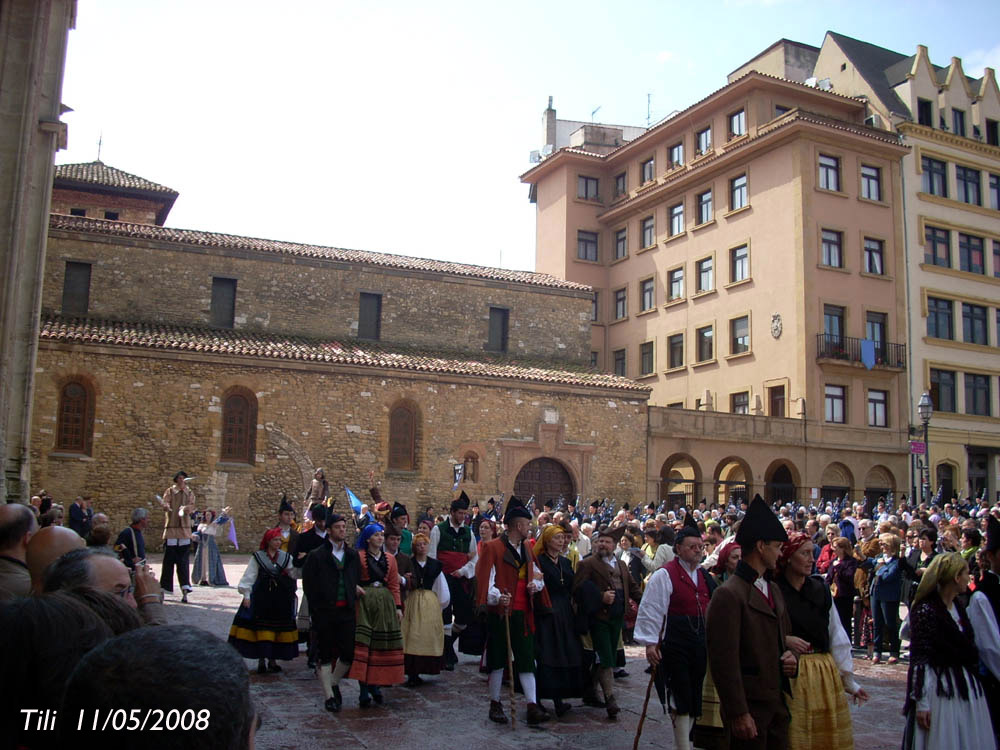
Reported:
(534, 157)
(548, 149)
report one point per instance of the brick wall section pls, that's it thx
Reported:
(156, 413)
(142, 280)
(129, 209)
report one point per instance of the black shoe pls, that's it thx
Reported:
(414, 681)
(365, 698)
(621, 674)
(496, 712)
(537, 715)
(273, 667)
(562, 708)
(377, 695)
(612, 708)
(203, 583)
(184, 599)
(649, 669)
(332, 705)
(591, 699)
(338, 701)
(261, 667)
(448, 667)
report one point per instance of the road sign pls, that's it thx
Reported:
(918, 447)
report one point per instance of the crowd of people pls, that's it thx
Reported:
(748, 613)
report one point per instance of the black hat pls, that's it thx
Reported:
(992, 533)
(476, 505)
(178, 474)
(625, 507)
(332, 518)
(491, 502)
(690, 528)
(760, 525)
(318, 512)
(460, 503)
(515, 509)
(615, 532)
(398, 511)
(285, 505)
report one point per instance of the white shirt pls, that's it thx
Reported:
(655, 604)
(440, 587)
(984, 625)
(338, 550)
(469, 569)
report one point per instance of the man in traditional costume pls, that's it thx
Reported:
(178, 503)
(507, 577)
(453, 545)
(307, 542)
(984, 614)
(286, 524)
(747, 624)
(400, 519)
(331, 578)
(671, 625)
(602, 586)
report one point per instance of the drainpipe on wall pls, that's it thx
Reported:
(909, 325)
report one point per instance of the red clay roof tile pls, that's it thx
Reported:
(348, 352)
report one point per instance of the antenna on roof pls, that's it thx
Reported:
(594, 113)
(100, 142)
(649, 109)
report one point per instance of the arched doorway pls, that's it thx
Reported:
(781, 486)
(732, 482)
(680, 481)
(546, 479)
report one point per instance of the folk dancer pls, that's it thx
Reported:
(746, 626)
(984, 614)
(309, 540)
(178, 503)
(453, 545)
(423, 628)
(507, 577)
(675, 604)
(602, 584)
(331, 577)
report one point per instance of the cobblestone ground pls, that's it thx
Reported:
(451, 709)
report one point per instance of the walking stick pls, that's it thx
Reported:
(510, 667)
(649, 690)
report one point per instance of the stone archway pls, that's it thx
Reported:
(733, 481)
(546, 479)
(781, 482)
(680, 480)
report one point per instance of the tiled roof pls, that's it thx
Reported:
(236, 242)
(270, 346)
(873, 63)
(99, 173)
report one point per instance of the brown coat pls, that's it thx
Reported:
(494, 555)
(745, 642)
(593, 568)
(178, 525)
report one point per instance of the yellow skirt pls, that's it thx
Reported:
(710, 712)
(821, 718)
(423, 629)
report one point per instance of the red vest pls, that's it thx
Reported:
(686, 600)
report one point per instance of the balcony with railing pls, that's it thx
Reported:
(849, 350)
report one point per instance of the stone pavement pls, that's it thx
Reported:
(451, 709)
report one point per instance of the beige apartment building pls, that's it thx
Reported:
(951, 198)
(747, 262)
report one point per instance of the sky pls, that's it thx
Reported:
(403, 127)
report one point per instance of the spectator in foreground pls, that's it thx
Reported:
(17, 525)
(105, 572)
(47, 545)
(140, 670)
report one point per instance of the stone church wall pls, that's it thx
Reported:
(157, 412)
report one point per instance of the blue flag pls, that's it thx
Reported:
(868, 353)
(353, 499)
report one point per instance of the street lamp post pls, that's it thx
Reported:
(925, 409)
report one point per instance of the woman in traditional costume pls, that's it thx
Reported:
(730, 555)
(264, 626)
(557, 646)
(487, 532)
(378, 640)
(208, 570)
(423, 628)
(820, 716)
(945, 702)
